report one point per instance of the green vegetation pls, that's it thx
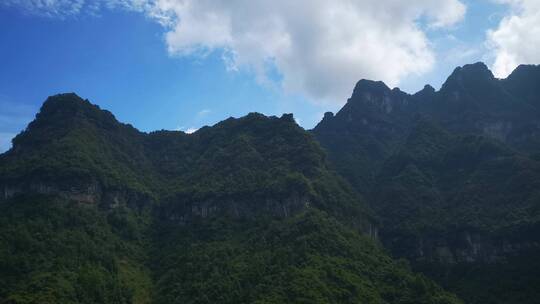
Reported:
(54, 251)
(246, 211)
(308, 258)
(453, 176)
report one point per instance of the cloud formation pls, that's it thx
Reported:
(319, 48)
(517, 38)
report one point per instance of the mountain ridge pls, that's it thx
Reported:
(245, 211)
(452, 174)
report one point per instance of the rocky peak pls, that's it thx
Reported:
(375, 96)
(328, 116)
(524, 72)
(524, 83)
(475, 75)
(70, 105)
(288, 117)
(365, 86)
(61, 114)
(427, 91)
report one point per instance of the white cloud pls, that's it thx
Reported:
(191, 130)
(320, 48)
(517, 38)
(186, 130)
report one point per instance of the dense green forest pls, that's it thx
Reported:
(246, 211)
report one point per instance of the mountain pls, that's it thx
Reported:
(432, 197)
(245, 211)
(453, 176)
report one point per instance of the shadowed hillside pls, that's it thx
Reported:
(453, 175)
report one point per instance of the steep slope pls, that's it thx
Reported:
(467, 187)
(75, 148)
(365, 131)
(471, 101)
(94, 211)
(456, 187)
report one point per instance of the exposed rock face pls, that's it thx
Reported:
(181, 211)
(92, 193)
(88, 195)
(463, 247)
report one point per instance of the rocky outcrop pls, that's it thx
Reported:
(85, 193)
(182, 210)
(468, 247)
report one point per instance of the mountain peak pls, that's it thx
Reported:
(69, 106)
(428, 88)
(523, 83)
(61, 113)
(524, 71)
(370, 86)
(474, 70)
(477, 66)
(427, 92)
(469, 75)
(71, 100)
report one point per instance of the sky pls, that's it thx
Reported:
(183, 64)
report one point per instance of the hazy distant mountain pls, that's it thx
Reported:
(453, 175)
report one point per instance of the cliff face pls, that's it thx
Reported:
(452, 174)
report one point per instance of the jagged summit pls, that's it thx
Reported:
(69, 103)
(428, 87)
(427, 92)
(70, 107)
(371, 86)
(525, 70)
(65, 113)
(470, 79)
(472, 101)
(470, 90)
(469, 75)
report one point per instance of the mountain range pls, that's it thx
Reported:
(426, 198)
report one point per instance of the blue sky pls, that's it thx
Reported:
(162, 67)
